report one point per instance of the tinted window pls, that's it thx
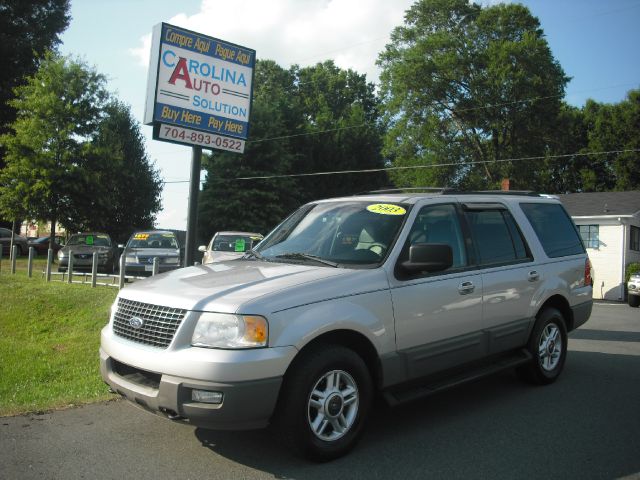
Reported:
(439, 224)
(554, 228)
(496, 236)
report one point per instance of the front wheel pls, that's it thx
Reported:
(548, 346)
(324, 403)
(634, 300)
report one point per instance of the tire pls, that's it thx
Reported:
(634, 301)
(324, 402)
(548, 346)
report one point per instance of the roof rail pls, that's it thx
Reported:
(453, 191)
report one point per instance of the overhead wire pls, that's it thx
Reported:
(432, 165)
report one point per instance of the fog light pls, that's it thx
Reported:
(206, 396)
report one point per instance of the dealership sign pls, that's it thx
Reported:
(199, 89)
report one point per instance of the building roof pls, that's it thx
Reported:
(595, 204)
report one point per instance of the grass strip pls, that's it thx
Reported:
(49, 339)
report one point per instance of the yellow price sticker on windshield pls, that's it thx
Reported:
(386, 209)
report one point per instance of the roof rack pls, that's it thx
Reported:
(453, 191)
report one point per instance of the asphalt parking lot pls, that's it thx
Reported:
(584, 426)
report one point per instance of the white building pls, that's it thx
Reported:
(609, 223)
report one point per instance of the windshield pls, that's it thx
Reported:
(153, 240)
(352, 233)
(96, 240)
(234, 243)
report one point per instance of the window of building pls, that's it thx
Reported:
(634, 243)
(590, 235)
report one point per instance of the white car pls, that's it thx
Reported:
(228, 245)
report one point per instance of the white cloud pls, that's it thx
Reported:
(303, 32)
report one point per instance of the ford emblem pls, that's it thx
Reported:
(136, 322)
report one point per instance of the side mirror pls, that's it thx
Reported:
(428, 257)
(202, 248)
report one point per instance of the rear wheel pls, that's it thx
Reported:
(548, 346)
(324, 403)
(634, 300)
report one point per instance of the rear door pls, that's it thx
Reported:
(510, 278)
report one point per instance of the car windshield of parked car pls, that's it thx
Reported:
(345, 233)
(153, 240)
(233, 243)
(95, 240)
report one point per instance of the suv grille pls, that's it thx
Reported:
(158, 324)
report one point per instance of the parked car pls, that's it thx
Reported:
(633, 290)
(228, 245)
(401, 295)
(144, 246)
(41, 244)
(18, 240)
(82, 246)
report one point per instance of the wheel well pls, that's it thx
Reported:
(348, 339)
(560, 303)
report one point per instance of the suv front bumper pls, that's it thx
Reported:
(247, 403)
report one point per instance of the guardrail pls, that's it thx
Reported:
(117, 280)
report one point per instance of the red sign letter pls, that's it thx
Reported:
(181, 72)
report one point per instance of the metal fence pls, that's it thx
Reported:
(70, 275)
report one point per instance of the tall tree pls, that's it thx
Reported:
(121, 186)
(342, 131)
(614, 127)
(254, 205)
(28, 29)
(59, 109)
(471, 87)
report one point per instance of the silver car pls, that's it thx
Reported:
(144, 246)
(82, 246)
(228, 245)
(401, 295)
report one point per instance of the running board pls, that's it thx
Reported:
(398, 395)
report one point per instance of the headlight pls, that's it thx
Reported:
(171, 260)
(220, 330)
(130, 259)
(61, 254)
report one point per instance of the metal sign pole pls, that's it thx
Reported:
(192, 216)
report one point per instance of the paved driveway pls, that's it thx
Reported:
(584, 426)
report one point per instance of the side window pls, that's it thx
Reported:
(440, 224)
(496, 236)
(555, 229)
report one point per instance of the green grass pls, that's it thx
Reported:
(49, 339)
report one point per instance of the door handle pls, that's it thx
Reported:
(466, 288)
(533, 276)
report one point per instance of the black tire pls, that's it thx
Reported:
(316, 371)
(548, 346)
(633, 301)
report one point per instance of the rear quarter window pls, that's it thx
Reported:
(554, 228)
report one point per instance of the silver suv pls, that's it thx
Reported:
(398, 294)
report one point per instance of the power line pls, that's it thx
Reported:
(433, 165)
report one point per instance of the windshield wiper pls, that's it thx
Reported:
(306, 256)
(255, 254)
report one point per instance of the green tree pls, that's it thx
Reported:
(471, 87)
(254, 205)
(121, 186)
(28, 29)
(59, 110)
(341, 122)
(613, 127)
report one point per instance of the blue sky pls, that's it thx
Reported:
(597, 43)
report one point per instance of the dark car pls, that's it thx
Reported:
(144, 246)
(41, 244)
(82, 246)
(5, 242)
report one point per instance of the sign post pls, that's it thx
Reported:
(199, 94)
